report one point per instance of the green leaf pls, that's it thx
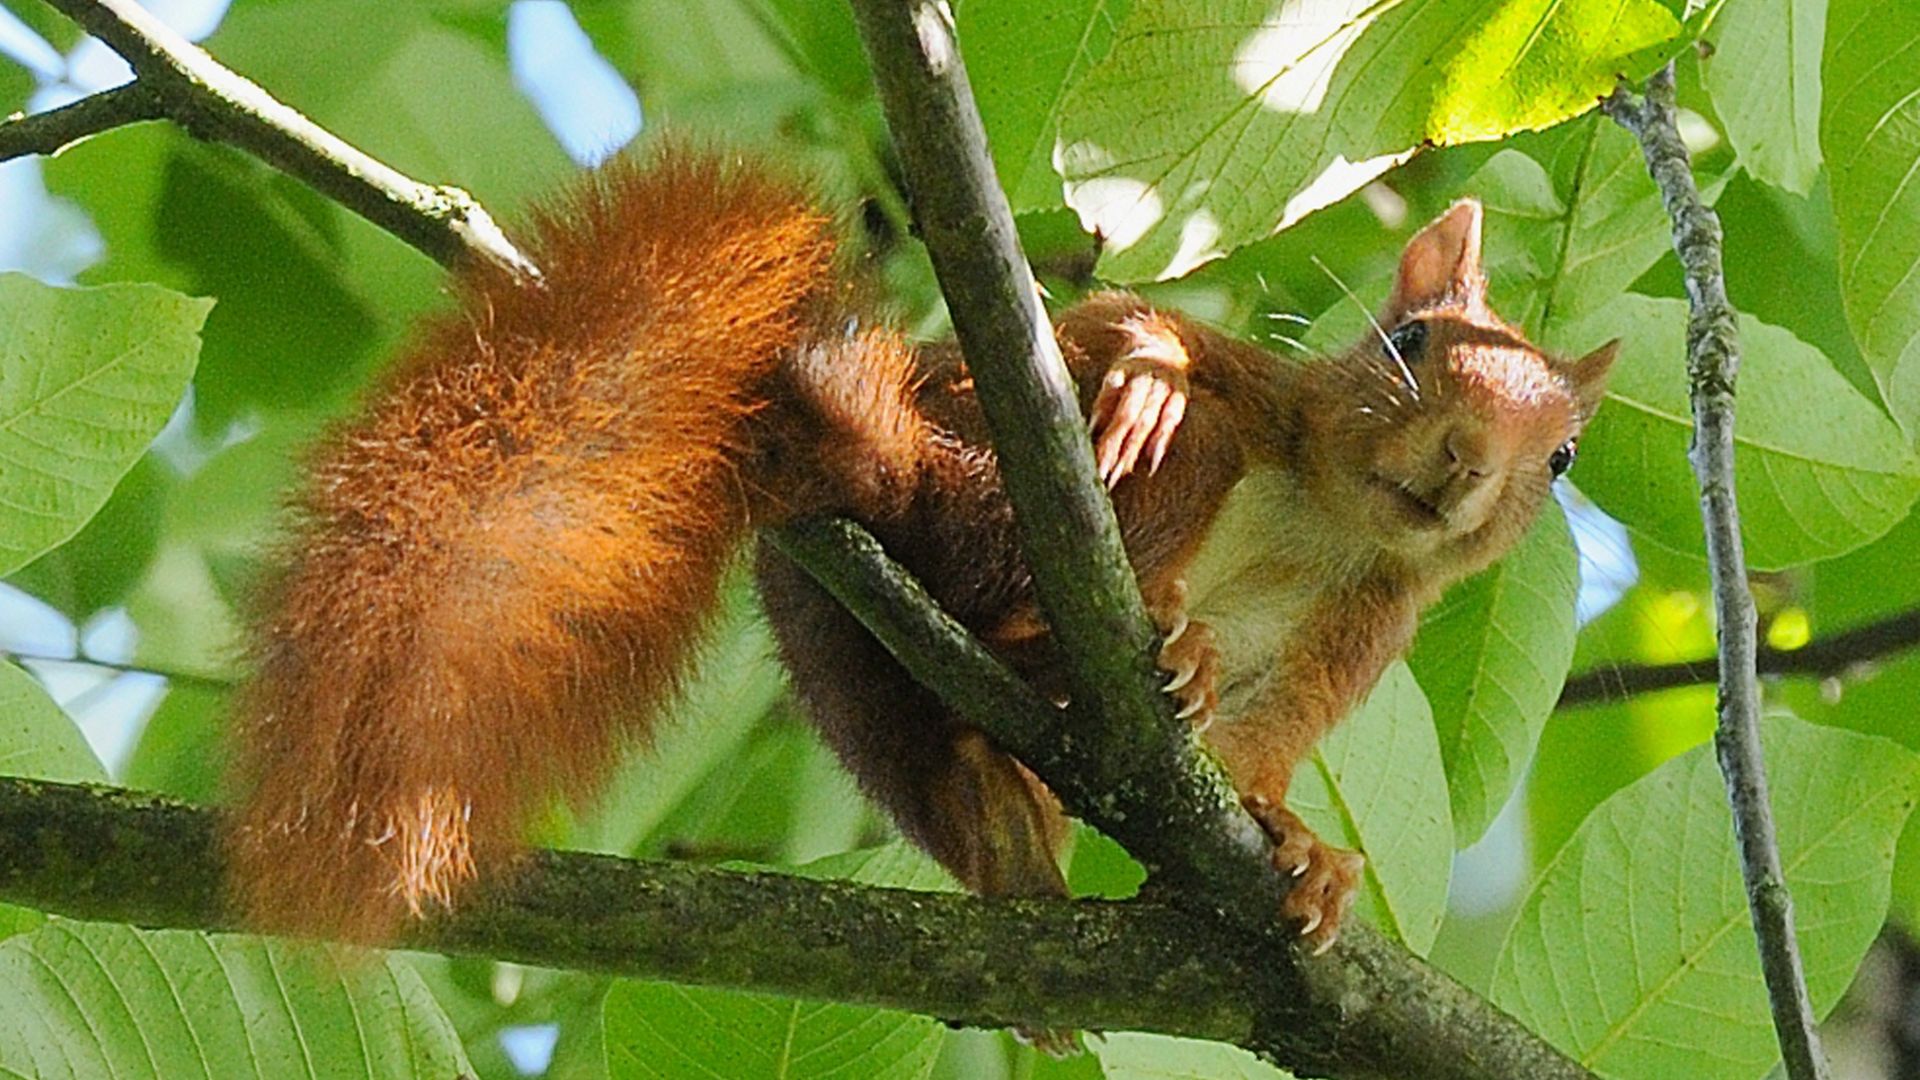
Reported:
(1492, 656)
(664, 1031)
(1820, 469)
(87, 1000)
(1764, 75)
(1870, 130)
(87, 379)
(1634, 953)
(1022, 59)
(36, 738)
(1566, 237)
(1210, 124)
(1376, 785)
(1128, 1055)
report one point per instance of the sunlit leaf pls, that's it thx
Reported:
(1211, 124)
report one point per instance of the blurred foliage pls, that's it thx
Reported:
(1189, 133)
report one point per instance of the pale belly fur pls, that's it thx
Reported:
(1254, 577)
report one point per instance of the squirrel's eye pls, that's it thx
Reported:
(1407, 340)
(1562, 459)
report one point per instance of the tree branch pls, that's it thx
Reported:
(56, 129)
(1713, 363)
(97, 853)
(178, 80)
(1827, 658)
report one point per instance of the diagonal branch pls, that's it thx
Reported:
(1713, 363)
(178, 80)
(1829, 657)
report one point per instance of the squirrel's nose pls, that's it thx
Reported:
(1469, 450)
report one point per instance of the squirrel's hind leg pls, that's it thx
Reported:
(976, 810)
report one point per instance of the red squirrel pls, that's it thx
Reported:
(501, 570)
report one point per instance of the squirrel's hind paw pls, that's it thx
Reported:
(1325, 878)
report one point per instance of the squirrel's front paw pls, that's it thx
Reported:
(1142, 399)
(1325, 878)
(1190, 659)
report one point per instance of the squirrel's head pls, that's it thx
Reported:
(1446, 426)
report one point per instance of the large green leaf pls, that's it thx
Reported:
(1820, 469)
(1634, 952)
(1764, 75)
(87, 378)
(86, 1000)
(1022, 58)
(1376, 785)
(1870, 130)
(1491, 657)
(1211, 124)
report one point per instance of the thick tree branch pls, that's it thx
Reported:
(56, 129)
(1713, 363)
(178, 80)
(1829, 657)
(97, 853)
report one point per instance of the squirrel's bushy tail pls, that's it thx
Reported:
(510, 556)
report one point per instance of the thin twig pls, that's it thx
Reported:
(1713, 363)
(1829, 657)
(213, 103)
(56, 129)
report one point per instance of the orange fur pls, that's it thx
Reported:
(506, 561)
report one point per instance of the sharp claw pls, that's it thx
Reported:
(1312, 923)
(1191, 707)
(1301, 870)
(1182, 677)
(1173, 635)
(1325, 944)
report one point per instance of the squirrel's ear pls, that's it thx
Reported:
(1441, 266)
(1588, 376)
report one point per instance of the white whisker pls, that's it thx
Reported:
(1413, 385)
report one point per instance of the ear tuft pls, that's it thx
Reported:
(1441, 266)
(1588, 376)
